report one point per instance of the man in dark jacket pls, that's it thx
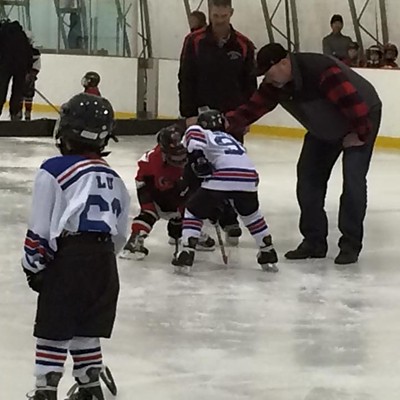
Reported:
(15, 63)
(217, 70)
(217, 65)
(341, 112)
(336, 44)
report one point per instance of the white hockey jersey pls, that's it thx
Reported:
(233, 169)
(74, 194)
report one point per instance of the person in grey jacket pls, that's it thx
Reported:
(342, 113)
(336, 44)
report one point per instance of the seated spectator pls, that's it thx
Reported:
(390, 54)
(197, 20)
(374, 56)
(354, 58)
(336, 44)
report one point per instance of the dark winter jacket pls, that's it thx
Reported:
(15, 49)
(327, 97)
(218, 75)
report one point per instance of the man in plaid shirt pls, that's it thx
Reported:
(341, 112)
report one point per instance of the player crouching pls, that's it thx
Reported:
(161, 193)
(229, 175)
(79, 220)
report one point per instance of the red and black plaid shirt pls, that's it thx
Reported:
(333, 84)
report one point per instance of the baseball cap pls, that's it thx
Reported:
(336, 18)
(268, 56)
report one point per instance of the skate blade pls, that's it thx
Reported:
(182, 270)
(128, 255)
(270, 268)
(200, 248)
(231, 241)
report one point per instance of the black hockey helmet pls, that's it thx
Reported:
(91, 79)
(170, 141)
(86, 123)
(212, 120)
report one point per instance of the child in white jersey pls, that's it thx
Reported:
(79, 220)
(228, 175)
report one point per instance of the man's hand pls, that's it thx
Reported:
(352, 140)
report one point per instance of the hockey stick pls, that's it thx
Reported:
(47, 101)
(221, 244)
(176, 248)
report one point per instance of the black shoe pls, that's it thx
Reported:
(304, 251)
(346, 257)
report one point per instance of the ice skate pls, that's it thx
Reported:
(183, 262)
(28, 116)
(267, 257)
(134, 248)
(90, 390)
(205, 243)
(48, 392)
(232, 234)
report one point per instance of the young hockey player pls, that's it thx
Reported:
(79, 221)
(31, 78)
(228, 175)
(91, 82)
(374, 57)
(161, 193)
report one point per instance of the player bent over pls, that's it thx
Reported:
(79, 220)
(229, 175)
(161, 193)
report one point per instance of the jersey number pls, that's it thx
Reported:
(232, 146)
(85, 224)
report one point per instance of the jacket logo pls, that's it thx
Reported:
(234, 55)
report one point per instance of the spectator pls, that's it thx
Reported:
(336, 44)
(341, 112)
(217, 69)
(75, 35)
(390, 54)
(15, 63)
(31, 78)
(374, 56)
(354, 58)
(197, 20)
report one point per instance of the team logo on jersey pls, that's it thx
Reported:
(234, 55)
(165, 183)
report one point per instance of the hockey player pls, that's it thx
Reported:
(161, 193)
(91, 82)
(229, 175)
(79, 220)
(31, 78)
(374, 57)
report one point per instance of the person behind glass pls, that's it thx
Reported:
(341, 111)
(374, 57)
(390, 53)
(336, 44)
(91, 82)
(15, 63)
(354, 58)
(197, 20)
(217, 69)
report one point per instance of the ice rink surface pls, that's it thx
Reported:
(314, 331)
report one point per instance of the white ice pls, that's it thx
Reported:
(314, 331)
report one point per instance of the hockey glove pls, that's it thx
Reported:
(35, 280)
(175, 228)
(200, 165)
